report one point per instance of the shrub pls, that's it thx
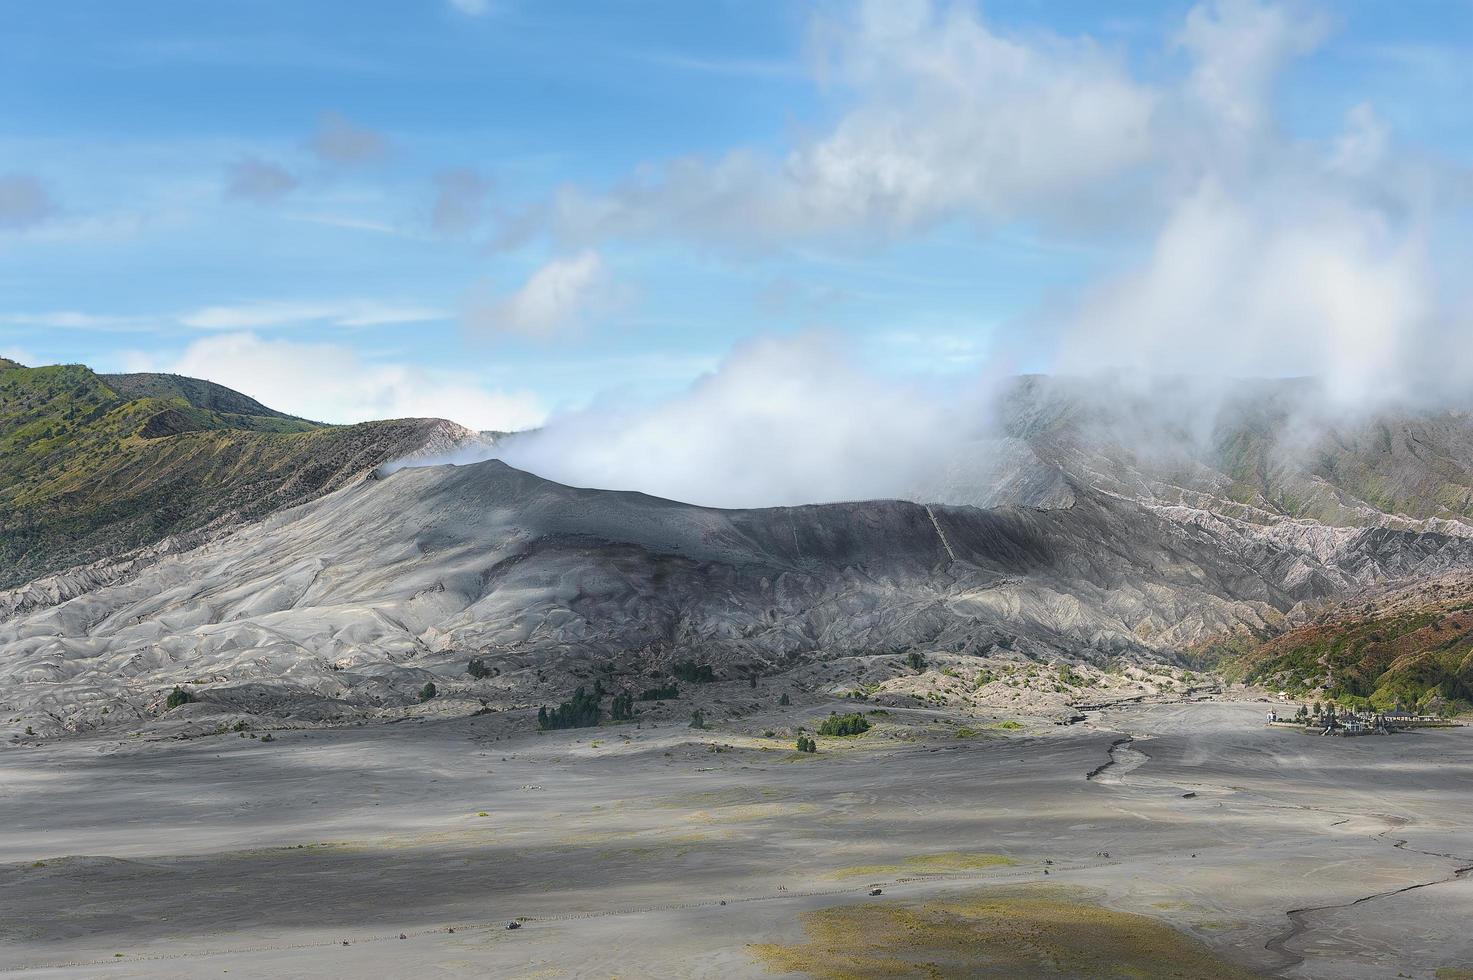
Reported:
(477, 668)
(853, 723)
(697, 719)
(177, 697)
(694, 673)
(806, 744)
(428, 691)
(667, 693)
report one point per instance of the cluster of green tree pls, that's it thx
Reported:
(667, 693)
(177, 697)
(915, 661)
(853, 723)
(477, 668)
(582, 711)
(693, 673)
(806, 744)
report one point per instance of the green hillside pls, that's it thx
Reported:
(1412, 647)
(240, 411)
(93, 466)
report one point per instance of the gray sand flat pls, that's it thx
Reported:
(184, 857)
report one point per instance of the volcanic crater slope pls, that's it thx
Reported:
(354, 600)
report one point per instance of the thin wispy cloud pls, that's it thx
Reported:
(340, 141)
(74, 320)
(254, 179)
(471, 8)
(24, 202)
(351, 313)
(560, 296)
(460, 201)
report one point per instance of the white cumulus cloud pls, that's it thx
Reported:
(333, 383)
(560, 295)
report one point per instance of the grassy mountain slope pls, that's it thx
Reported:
(88, 471)
(1411, 647)
(239, 411)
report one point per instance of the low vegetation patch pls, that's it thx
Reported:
(942, 863)
(852, 723)
(1019, 933)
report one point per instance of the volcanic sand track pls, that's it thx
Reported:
(621, 855)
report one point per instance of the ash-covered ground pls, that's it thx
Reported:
(1207, 842)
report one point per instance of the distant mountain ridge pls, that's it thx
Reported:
(1260, 451)
(96, 466)
(197, 393)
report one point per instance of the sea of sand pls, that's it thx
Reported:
(1155, 840)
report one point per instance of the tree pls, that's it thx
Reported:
(622, 708)
(669, 692)
(428, 691)
(752, 681)
(916, 661)
(806, 744)
(177, 697)
(784, 701)
(697, 719)
(477, 668)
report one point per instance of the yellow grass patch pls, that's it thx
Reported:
(927, 864)
(1018, 933)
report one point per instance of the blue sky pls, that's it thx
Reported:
(505, 211)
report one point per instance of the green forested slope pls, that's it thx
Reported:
(93, 466)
